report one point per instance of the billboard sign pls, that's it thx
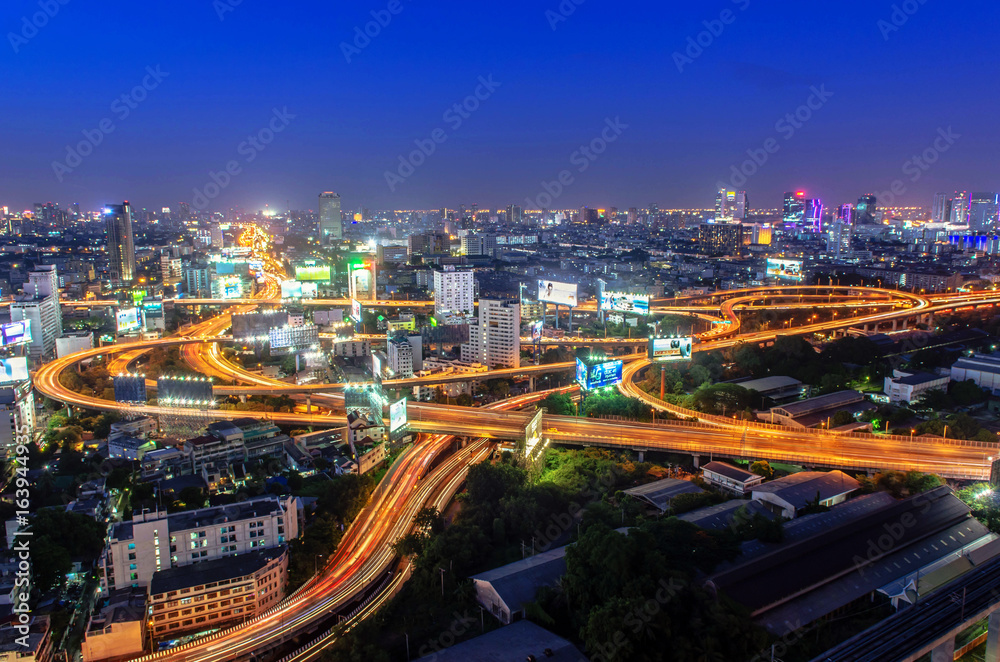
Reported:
(291, 289)
(625, 303)
(232, 288)
(130, 389)
(533, 435)
(397, 416)
(310, 290)
(13, 370)
(356, 310)
(598, 375)
(128, 321)
(784, 269)
(313, 272)
(663, 350)
(562, 294)
(536, 332)
(16, 333)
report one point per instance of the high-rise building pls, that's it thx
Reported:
(589, 216)
(121, 247)
(838, 241)
(721, 238)
(217, 237)
(454, 291)
(514, 214)
(331, 222)
(17, 410)
(730, 205)
(983, 211)
(941, 211)
(495, 338)
(845, 213)
(794, 210)
(812, 220)
(400, 358)
(866, 209)
(633, 215)
(40, 305)
(960, 208)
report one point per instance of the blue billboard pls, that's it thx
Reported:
(598, 375)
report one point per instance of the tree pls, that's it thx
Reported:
(762, 468)
(559, 404)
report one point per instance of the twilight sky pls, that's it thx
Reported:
(606, 76)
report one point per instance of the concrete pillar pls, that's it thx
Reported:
(697, 461)
(895, 325)
(993, 638)
(309, 404)
(642, 456)
(945, 652)
(532, 383)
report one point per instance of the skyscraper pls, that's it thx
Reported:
(495, 338)
(794, 210)
(121, 247)
(454, 291)
(724, 238)
(959, 208)
(867, 207)
(983, 211)
(514, 214)
(941, 211)
(813, 215)
(331, 222)
(40, 306)
(731, 205)
(846, 214)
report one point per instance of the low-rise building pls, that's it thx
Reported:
(817, 412)
(791, 494)
(730, 478)
(983, 369)
(505, 591)
(910, 387)
(216, 594)
(118, 630)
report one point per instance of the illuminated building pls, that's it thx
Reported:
(721, 238)
(121, 249)
(331, 222)
(983, 211)
(495, 338)
(794, 210)
(454, 291)
(866, 210)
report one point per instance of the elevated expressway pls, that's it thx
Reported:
(365, 554)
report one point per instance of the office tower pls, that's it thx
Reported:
(454, 291)
(216, 236)
(742, 206)
(17, 409)
(589, 216)
(433, 243)
(185, 211)
(495, 338)
(331, 222)
(40, 306)
(845, 213)
(121, 249)
(514, 214)
(654, 215)
(721, 238)
(866, 209)
(983, 211)
(794, 210)
(960, 208)
(633, 215)
(731, 205)
(838, 241)
(941, 211)
(813, 216)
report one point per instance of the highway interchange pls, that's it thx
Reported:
(428, 474)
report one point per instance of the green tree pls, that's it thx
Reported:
(762, 468)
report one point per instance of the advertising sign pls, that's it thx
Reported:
(536, 332)
(291, 289)
(598, 375)
(784, 269)
(356, 310)
(663, 350)
(397, 416)
(128, 320)
(16, 333)
(14, 369)
(563, 294)
(625, 303)
(533, 435)
(310, 290)
(313, 272)
(232, 288)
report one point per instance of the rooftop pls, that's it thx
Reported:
(722, 516)
(822, 403)
(520, 641)
(801, 488)
(233, 567)
(662, 492)
(918, 378)
(769, 384)
(729, 471)
(516, 583)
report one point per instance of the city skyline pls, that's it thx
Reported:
(533, 84)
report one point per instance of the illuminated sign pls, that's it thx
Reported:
(16, 333)
(291, 289)
(562, 294)
(625, 303)
(397, 416)
(533, 435)
(536, 332)
(232, 288)
(598, 375)
(663, 350)
(356, 310)
(784, 269)
(256, 266)
(310, 290)
(315, 272)
(128, 320)
(14, 369)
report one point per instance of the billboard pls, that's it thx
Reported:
(356, 310)
(663, 350)
(533, 435)
(16, 333)
(130, 389)
(625, 303)
(284, 337)
(562, 294)
(309, 290)
(536, 332)
(291, 289)
(256, 266)
(231, 288)
(128, 321)
(784, 269)
(14, 369)
(397, 416)
(255, 326)
(190, 391)
(314, 272)
(598, 375)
